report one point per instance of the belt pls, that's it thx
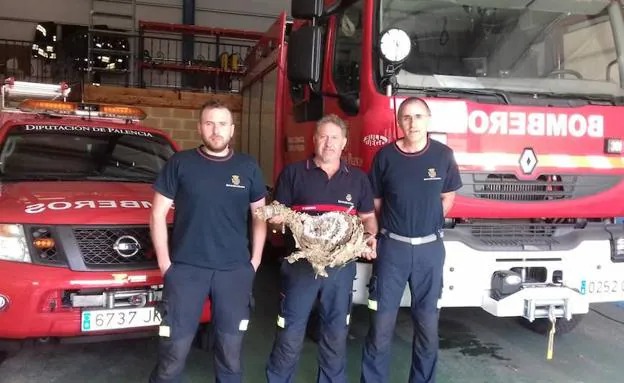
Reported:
(413, 240)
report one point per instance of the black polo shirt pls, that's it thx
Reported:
(211, 197)
(304, 186)
(410, 185)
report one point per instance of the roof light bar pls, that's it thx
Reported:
(83, 110)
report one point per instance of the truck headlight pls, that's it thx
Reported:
(13, 243)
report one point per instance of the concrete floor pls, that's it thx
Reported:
(475, 347)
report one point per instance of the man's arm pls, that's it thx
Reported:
(158, 230)
(447, 201)
(258, 234)
(369, 220)
(378, 203)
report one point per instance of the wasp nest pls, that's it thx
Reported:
(332, 239)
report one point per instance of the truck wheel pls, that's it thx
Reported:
(562, 326)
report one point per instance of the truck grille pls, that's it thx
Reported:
(115, 246)
(507, 187)
(502, 234)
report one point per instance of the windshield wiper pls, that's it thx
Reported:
(440, 92)
(599, 99)
(141, 179)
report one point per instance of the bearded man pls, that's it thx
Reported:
(213, 189)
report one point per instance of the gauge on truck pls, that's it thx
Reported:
(395, 45)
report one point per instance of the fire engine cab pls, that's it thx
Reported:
(528, 94)
(76, 258)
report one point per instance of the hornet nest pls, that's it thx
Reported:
(329, 240)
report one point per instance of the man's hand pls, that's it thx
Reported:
(276, 220)
(372, 254)
(164, 268)
(255, 263)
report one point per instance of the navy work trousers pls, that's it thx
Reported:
(299, 291)
(185, 291)
(397, 264)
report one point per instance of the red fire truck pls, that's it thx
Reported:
(76, 259)
(529, 96)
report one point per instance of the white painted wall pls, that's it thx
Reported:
(255, 15)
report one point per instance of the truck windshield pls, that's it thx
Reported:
(560, 46)
(70, 153)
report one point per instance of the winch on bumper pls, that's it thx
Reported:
(509, 297)
(579, 267)
(115, 298)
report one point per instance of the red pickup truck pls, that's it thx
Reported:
(76, 258)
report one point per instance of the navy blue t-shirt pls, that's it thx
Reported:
(410, 185)
(306, 187)
(211, 200)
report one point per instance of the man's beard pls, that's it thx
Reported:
(217, 147)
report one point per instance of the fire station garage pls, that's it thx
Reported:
(103, 100)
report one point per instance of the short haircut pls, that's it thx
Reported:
(333, 119)
(213, 104)
(412, 100)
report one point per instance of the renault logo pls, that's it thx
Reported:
(127, 246)
(528, 161)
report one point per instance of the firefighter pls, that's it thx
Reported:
(414, 181)
(213, 189)
(316, 185)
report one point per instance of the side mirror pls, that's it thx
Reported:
(304, 55)
(306, 9)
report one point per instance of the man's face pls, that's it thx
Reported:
(414, 121)
(216, 128)
(329, 142)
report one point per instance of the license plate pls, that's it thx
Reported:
(602, 287)
(97, 320)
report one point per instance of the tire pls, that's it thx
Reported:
(562, 326)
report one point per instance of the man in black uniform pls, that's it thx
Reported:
(316, 185)
(414, 182)
(213, 189)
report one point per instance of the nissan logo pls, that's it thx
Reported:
(127, 246)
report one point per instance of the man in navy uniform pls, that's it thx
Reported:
(316, 185)
(414, 182)
(213, 189)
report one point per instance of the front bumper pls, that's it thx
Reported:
(574, 278)
(47, 301)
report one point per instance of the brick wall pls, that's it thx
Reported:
(178, 120)
(181, 124)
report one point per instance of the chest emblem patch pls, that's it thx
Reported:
(432, 175)
(347, 200)
(235, 182)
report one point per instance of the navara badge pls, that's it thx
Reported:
(127, 246)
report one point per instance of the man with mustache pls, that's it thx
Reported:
(414, 182)
(316, 185)
(213, 189)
